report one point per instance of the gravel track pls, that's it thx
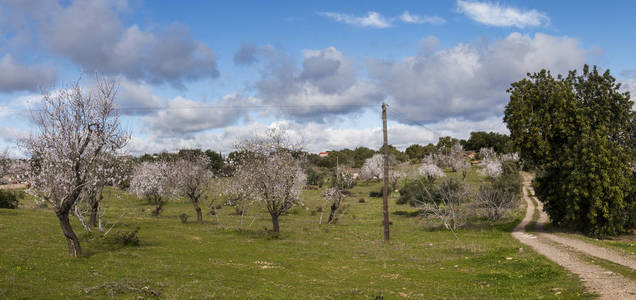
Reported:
(607, 284)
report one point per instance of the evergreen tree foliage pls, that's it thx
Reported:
(578, 131)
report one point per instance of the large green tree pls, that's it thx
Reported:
(577, 130)
(482, 139)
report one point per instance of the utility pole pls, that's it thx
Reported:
(385, 191)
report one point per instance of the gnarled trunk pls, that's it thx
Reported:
(198, 210)
(332, 214)
(94, 210)
(159, 206)
(74, 248)
(275, 223)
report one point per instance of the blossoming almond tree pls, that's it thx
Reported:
(190, 177)
(372, 168)
(75, 127)
(334, 195)
(149, 180)
(270, 172)
(430, 171)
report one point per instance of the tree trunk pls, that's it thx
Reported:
(275, 223)
(332, 213)
(74, 248)
(94, 210)
(198, 210)
(157, 210)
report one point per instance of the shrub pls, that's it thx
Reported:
(10, 199)
(379, 194)
(184, 218)
(126, 238)
(412, 192)
(503, 194)
(446, 202)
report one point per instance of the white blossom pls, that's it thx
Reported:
(431, 171)
(149, 180)
(373, 168)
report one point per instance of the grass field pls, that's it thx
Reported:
(307, 261)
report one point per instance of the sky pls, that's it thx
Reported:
(207, 74)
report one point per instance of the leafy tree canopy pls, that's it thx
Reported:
(578, 130)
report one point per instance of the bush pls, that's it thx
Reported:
(503, 194)
(184, 218)
(10, 199)
(446, 202)
(126, 238)
(412, 192)
(379, 194)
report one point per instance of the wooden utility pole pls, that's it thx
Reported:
(385, 190)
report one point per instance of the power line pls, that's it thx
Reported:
(231, 107)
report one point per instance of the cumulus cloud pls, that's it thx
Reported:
(136, 98)
(317, 137)
(324, 87)
(247, 54)
(18, 77)
(314, 137)
(469, 80)
(92, 35)
(182, 116)
(497, 15)
(376, 20)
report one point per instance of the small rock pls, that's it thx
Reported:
(508, 258)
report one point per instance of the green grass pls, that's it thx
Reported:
(627, 247)
(307, 261)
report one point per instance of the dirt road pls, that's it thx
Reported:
(567, 251)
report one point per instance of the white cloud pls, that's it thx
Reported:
(372, 19)
(181, 116)
(18, 77)
(19, 107)
(469, 81)
(497, 15)
(326, 86)
(136, 98)
(407, 17)
(376, 20)
(317, 137)
(92, 34)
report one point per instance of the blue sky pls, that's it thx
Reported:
(208, 73)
